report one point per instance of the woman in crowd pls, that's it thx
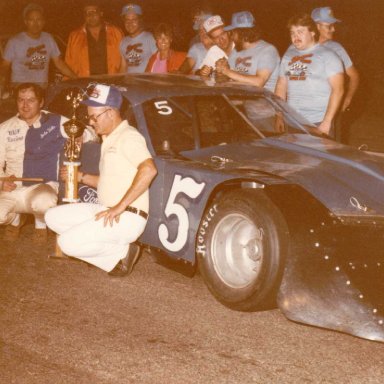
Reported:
(165, 59)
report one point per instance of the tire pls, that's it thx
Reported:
(241, 247)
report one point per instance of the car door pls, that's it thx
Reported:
(179, 193)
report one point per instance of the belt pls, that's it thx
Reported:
(137, 211)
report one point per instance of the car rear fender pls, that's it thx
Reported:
(333, 275)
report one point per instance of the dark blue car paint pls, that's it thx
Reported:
(326, 191)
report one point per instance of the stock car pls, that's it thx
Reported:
(269, 209)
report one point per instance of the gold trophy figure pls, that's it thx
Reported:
(74, 128)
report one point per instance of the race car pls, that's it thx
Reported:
(267, 207)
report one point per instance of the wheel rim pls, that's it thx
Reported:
(237, 250)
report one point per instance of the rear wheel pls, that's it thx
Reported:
(241, 248)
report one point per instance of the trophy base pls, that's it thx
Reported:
(69, 200)
(72, 163)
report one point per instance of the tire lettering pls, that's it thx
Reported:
(200, 246)
(201, 249)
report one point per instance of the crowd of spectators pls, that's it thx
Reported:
(314, 68)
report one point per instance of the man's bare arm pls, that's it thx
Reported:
(62, 66)
(123, 65)
(258, 80)
(281, 87)
(353, 84)
(337, 85)
(187, 66)
(88, 179)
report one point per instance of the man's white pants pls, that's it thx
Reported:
(35, 199)
(81, 236)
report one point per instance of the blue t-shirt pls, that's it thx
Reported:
(262, 56)
(30, 57)
(340, 51)
(137, 51)
(42, 148)
(307, 72)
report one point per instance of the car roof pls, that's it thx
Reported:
(138, 88)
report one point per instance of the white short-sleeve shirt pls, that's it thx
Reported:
(122, 151)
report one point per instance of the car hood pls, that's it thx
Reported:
(347, 181)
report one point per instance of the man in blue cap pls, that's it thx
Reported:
(255, 61)
(139, 45)
(325, 22)
(199, 14)
(102, 234)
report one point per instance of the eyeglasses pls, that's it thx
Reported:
(94, 118)
(327, 26)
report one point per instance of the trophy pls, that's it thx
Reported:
(74, 128)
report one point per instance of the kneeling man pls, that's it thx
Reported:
(30, 144)
(100, 234)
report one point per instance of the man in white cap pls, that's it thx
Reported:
(101, 234)
(255, 62)
(139, 45)
(199, 14)
(198, 50)
(311, 77)
(325, 22)
(224, 46)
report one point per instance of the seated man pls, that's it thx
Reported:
(30, 143)
(101, 234)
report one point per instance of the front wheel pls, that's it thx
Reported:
(241, 247)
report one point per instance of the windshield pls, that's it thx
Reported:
(269, 118)
(191, 122)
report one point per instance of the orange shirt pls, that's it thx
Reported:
(76, 55)
(175, 59)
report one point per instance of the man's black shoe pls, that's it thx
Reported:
(124, 266)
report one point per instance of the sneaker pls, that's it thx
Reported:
(12, 232)
(125, 266)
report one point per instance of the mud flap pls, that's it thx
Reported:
(337, 284)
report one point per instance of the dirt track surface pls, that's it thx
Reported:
(66, 322)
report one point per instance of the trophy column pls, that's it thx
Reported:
(71, 185)
(74, 130)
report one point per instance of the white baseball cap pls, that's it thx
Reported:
(212, 23)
